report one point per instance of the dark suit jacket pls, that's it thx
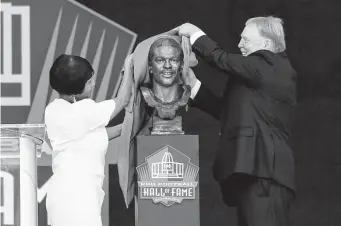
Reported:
(256, 113)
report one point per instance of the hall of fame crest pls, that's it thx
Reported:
(167, 177)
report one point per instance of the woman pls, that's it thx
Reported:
(76, 128)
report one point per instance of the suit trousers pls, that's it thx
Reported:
(262, 202)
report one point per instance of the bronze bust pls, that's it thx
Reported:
(167, 96)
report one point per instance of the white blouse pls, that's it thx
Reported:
(78, 136)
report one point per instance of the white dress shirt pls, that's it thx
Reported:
(197, 85)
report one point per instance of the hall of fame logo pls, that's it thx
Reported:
(167, 177)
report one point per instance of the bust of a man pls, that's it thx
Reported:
(166, 95)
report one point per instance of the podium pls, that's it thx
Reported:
(21, 144)
(168, 181)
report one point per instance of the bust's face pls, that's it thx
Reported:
(166, 65)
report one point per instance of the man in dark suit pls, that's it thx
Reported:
(254, 164)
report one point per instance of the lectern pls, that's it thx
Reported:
(20, 146)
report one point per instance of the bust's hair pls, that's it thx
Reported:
(272, 28)
(165, 42)
(69, 74)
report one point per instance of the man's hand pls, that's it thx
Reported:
(186, 29)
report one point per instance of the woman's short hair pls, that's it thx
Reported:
(69, 74)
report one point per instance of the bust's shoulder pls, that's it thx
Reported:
(148, 96)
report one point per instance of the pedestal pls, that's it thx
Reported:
(168, 181)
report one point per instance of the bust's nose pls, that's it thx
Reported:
(167, 64)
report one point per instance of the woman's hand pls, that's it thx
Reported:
(114, 131)
(128, 77)
(125, 88)
(129, 71)
(129, 64)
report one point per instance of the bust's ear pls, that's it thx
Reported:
(182, 63)
(149, 68)
(149, 64)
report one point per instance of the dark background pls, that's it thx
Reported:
(313, 39)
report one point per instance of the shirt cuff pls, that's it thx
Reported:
(195, 89)
(195, 36)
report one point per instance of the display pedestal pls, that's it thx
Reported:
(168, 181)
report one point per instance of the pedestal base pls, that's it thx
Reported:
(168, 181)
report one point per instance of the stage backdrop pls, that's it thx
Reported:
(33, 34)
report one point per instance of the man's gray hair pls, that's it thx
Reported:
(272, 28)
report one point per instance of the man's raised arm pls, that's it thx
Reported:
(213, 54)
